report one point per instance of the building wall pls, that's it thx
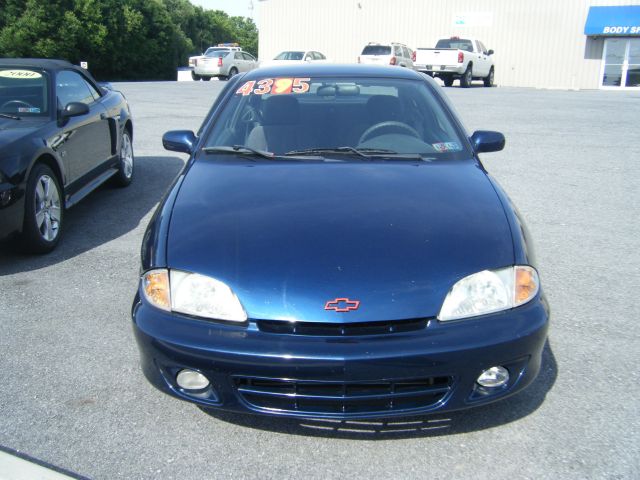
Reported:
(537, 43)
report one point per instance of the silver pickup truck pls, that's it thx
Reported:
(452, 58)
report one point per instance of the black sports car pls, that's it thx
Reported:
(61, 136)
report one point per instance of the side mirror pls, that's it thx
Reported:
(490, 52)
(74, 109)
(179, 141)
(105, 86)
(487, 141)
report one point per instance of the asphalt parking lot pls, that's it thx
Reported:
(73, 395)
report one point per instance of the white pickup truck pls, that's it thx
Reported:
(455, 57)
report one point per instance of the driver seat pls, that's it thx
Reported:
(379, 108)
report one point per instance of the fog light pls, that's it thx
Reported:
(493, 377)
(191, 380)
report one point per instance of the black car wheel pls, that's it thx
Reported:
(232, 72)
(43, 212)
(448, 81)
(125, 168)
(195, 76)
(488, 80)
(206, 79)
(467, 77)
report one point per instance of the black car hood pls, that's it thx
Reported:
(288, 237)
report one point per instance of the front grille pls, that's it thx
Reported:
(342, 398)
(341, 329)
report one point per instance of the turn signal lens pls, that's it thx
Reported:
(526, 285)
(155, 286)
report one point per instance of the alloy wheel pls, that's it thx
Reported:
(47, 207)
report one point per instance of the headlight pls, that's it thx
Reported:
(490, 291)
(193, 294)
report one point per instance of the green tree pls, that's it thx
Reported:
(121, 39)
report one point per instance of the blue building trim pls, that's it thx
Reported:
(613, 21)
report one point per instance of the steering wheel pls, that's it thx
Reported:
(251, 115)
(388, 124)
(16, 104)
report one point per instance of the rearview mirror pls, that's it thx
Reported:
(179, 141)
(487, 141)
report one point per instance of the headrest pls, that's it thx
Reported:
(281, 110)
(383, 107)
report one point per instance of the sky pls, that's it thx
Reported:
(235, 8)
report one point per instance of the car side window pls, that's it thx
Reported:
(248, 57)
(238, 56)
(72, 87)
(397, 51)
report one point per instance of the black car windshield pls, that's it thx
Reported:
(372, 115)
(290, 56)
(23, 92)
(455, 43)
(376, 50)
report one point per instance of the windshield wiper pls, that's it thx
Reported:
(361, 152)
(315, 151)
(240, 149)
(12, 117)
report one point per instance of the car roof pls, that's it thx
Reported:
(48, 64)
(45, 63)
(332, 70)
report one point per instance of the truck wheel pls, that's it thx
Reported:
(448, 81)
(488, 80)
(467, 77)
(206, 79)
(195, 76)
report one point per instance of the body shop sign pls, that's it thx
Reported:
(621, 30)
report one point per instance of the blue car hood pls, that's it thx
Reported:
(289, 237)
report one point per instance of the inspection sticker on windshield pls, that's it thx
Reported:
(446, 147)
(28, 110)
(19, 74)
(274, 86)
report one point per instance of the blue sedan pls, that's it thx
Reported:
(334, 248)
(61, 136)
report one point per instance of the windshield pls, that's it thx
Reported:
(283, 115)
(290, 56)
(23, 92)
(376, 50)
(217, 54)
(455, 43)
(216, 49)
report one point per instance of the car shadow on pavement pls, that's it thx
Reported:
(104, 215)
(481, 418)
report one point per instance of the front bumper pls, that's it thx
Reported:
(432, 369)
